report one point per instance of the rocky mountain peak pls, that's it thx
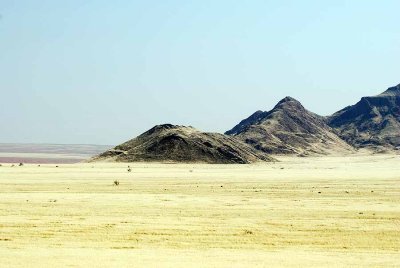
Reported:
(393, 91)
(167, 127)
(289, 129)
(289, 102)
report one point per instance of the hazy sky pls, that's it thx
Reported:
(104, 71)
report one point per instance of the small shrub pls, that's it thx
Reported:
(21, 164)
(116, 183)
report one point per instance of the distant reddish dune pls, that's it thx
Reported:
(48, 153)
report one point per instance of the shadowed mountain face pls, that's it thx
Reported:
(374, 122)
(289, 129)
(183, 144)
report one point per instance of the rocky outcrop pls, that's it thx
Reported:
(170, 143)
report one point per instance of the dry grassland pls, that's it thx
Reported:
(328, 211)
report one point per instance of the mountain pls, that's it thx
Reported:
(289, 129)
(170, 143)
(373, 122)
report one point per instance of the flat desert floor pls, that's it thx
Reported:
(301, 212)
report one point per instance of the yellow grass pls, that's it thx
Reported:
(301, 212)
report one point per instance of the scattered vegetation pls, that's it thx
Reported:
(116, 183)
(248, 232)
(21, 164)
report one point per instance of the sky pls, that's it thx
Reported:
(102, 72)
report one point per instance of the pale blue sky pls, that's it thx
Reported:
(104, 71)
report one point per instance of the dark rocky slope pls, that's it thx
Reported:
(373, 122)
(289, 129)
(169, 143)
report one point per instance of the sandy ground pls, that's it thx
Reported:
(301, 212)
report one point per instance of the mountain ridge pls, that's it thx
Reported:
(373, 122)
(289, 128)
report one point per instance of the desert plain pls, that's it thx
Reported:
(300, 212)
